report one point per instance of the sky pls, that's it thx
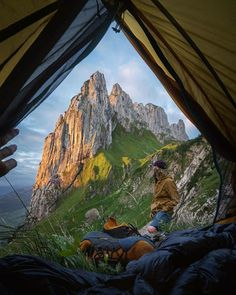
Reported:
(120, 63)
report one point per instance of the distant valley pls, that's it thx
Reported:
(12, 211)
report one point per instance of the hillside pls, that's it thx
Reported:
(103, 181)
(99, 158)
(118, 182)
(120, 178)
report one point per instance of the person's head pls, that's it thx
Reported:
(159, 168)
(160, 164)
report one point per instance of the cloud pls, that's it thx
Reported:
(38, 130)
(29, 156)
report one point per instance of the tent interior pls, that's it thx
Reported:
(189, 45)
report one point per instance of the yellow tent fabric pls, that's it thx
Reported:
(14, 47)
(211, 27)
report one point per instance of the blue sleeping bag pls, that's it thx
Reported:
(198, 261)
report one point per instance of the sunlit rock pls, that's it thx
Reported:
(85, 128)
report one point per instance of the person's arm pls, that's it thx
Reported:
(6, 166)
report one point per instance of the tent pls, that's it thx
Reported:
(189, 45)
(191, 48)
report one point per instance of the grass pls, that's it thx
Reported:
(115, 182)
(59, 247)
(105, 184)
(132, 146)
(57, 238)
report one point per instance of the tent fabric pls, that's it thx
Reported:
(197, 261)
(40, 46)
(19, 30)
(191, 48)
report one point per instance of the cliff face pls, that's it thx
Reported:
(79, 133)
(85, 128)
(178, 131)
(197, 186)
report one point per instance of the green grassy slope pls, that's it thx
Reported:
(105, 184)
(135, 145)
(118, 182)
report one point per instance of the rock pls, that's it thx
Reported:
(42, 206)
(150, 116)
(189, 210)
(92, 215)
(178, 131)
(154, 117)
(85, 128)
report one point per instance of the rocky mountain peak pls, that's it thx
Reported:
(178, 130)
(98, 80)
(85, 128)
(93, 87)
(116, 90)
(122, 106)
(119, 99)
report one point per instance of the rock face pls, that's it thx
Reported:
(191, 168)
(150, 116)
(193, 208)
(178, 131)
(84, 128)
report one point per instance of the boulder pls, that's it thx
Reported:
(92, 215)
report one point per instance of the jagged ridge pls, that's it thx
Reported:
(85, 128)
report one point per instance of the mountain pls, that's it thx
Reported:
(88, 126)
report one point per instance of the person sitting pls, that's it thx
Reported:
(165, 197)
(6, 166)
